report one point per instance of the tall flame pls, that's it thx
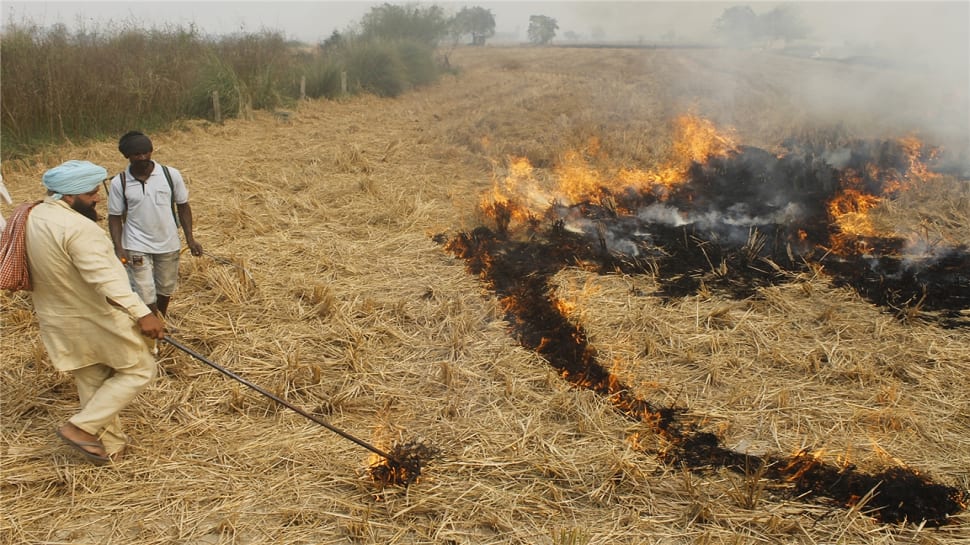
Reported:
(576, 179)
(918, 171)
(522, 193)
(697, 140)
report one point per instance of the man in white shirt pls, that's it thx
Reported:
(89, 317)
(146, 204)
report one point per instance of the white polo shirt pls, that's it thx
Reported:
(150, 226)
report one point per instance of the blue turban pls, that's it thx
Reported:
(74, 178)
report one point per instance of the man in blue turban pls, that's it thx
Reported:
(91, 322)
(74, 178)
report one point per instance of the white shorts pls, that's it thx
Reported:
(151, 275)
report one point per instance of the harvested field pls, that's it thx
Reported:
(335, 278)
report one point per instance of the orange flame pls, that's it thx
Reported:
(697, 140)
(801, 462)
(565, 308)
(577, 179)
(516, 195)
(918, 171)
(849, 211)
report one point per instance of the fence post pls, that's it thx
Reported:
(343, 82)
(302, 87)
(217, 110)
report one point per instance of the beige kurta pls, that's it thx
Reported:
(74, 272)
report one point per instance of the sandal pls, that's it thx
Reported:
(94, 458)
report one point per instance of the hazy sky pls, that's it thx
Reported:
(918, 24)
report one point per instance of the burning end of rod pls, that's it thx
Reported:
(404, 464)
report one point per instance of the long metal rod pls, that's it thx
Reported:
(277, 399)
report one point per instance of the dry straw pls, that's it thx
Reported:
(333, 294)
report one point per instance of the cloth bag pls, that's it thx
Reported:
(14, 272)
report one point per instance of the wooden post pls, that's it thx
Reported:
(302, 87)
(343, 82)
(216, 109)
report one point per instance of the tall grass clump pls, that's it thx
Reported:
(264, 65)
(374, 66)
(57, 85)
(323, 77)
(214, 76)
(419, 63)
(394, 50)
(385, 68)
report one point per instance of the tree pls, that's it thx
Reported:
(477, 21)
(423, 24)
(542, 29)
(738, 25)
(335, 41)
(783, 23)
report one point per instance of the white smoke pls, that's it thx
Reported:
(662, 214)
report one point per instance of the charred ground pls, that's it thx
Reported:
(729, 248)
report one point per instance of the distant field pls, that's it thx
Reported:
(431, 268)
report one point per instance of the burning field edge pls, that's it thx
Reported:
(730, 220)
